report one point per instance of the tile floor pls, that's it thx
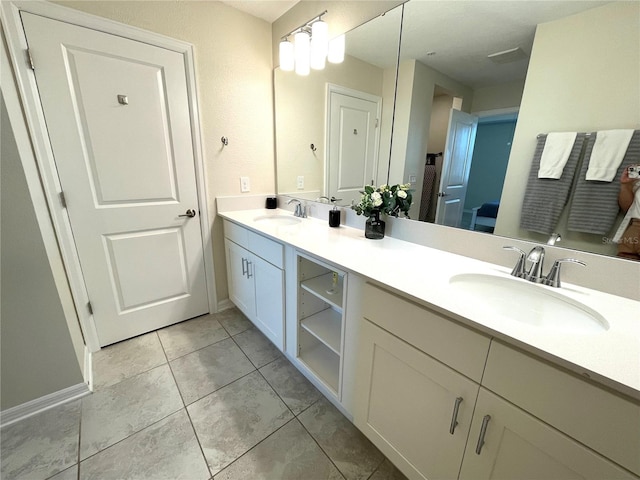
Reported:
(210, 398)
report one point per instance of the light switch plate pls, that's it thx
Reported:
(412, 179)
(300, 182)
(245, 184)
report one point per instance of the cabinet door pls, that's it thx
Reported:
(269, 285)
(406, 405)
(518, 446)
(241, 287)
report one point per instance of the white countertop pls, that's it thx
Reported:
(610, 357)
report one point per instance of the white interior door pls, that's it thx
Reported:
(353, 143)
(458, 152)
(117, 115)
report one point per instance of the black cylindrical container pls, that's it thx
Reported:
(271, 203)
(334, 218)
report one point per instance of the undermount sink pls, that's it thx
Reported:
(526, 302)
(280, 220)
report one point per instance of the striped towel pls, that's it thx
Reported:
(545, 198)
(594, 208)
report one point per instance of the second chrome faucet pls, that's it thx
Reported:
(535, 261)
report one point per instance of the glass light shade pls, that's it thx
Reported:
(286, 56)
(302, 49)
(336, 50)
(319, 44)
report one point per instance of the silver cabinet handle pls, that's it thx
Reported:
(454, 417)
(249, 274)
(483, 432)
(189, 213)
(244, 266)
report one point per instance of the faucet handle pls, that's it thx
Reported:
(553, 278)
(518, 270)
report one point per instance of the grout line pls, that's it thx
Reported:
(195, 433)
(320, 447)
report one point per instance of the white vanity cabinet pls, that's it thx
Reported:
(412, 406)
(516, 445)
(256, 279)
(519, 418)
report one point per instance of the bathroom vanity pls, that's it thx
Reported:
(445, 385)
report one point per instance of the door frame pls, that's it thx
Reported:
(350, 92)
(48, 177)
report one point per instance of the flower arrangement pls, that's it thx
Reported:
(384, 199)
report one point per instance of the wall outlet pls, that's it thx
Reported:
(412, 179)
(300, 182)
(245, 184)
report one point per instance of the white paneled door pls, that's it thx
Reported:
(117, 114)
(353, 136)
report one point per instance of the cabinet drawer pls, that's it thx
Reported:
(604, 421)
(459, 347)
(270, 250)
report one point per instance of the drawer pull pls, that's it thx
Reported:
(245, 265)
(483, 431)
(454, 417)
(249, 274)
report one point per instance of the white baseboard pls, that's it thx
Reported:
(39, 405)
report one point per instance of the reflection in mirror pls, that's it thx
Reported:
(549, 65)
(345, 111)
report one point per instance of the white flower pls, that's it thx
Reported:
(376, 199)
(384, 187)
(402, 194)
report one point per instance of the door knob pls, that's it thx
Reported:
(189, 213)
(442, 194)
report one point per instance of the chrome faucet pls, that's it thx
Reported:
(301, 211)
(536, 259)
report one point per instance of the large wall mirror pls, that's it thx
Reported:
(554, 66)
(333, 127)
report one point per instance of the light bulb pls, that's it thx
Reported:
(302, 53)
(336, 50)
(286, 56)
(319, 44)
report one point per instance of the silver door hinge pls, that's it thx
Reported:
(377, 121)
(63, 200)
(30, 59)
(90, 308)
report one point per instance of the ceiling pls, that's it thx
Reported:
(269, 10)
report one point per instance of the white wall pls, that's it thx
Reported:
(496, 97)
(37, 354)
(583, 76)
(235, 90)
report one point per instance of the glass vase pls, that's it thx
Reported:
(374, 227)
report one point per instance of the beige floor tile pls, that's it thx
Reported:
(233, 320)
(68, 474)
(206, 370)
(354, 455)
(165, 450)
(120, 410)
(387, 471)
(257, 347)
(186, 337)
(234, 419)
(126, 359)
(288, 454)
(42, 445)
(294, 389)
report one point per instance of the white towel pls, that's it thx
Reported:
(555, 154)
(608, 152)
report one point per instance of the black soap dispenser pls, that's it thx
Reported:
(334, 213)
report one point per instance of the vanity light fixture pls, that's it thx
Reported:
(311, 47)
